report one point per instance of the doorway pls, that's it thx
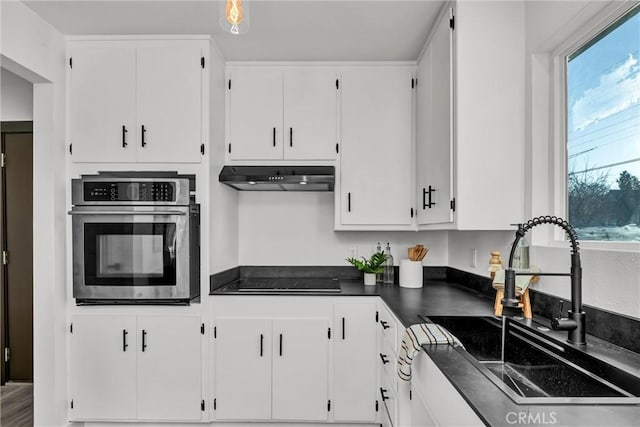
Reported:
(16, 256)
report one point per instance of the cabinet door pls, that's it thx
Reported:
(243, 369)
(375, 170)
(103, 367)
(102, 104)
(310, 114)
(254, 114)
(169, 367)
(434, 128)
(300, 369)
(354, 372)
(169, 96)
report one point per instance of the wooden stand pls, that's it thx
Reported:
(524, 304)
(495, 264)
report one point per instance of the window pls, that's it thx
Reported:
(603, 133)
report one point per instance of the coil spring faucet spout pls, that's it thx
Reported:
(574, 323)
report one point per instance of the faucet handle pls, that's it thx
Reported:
(558, 312)
(561, 323)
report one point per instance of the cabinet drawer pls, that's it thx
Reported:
(388, 328)
(388, 368)
(389, 399)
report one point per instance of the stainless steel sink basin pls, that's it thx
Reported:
(537, 369)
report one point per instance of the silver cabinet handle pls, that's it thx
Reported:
(164, 213)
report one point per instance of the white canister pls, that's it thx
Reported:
(410, 274)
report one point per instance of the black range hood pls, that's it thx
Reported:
(278, 178)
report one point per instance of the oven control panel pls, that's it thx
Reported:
(142, 191)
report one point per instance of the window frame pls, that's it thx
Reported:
(558, 150)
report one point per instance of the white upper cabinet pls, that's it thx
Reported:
(489, 114)
(375, 189)
(470, 119)
(254, 114)
(102, 105)
(275, 113)
(434, 128)
(310, 114)
(136, 101)
(169, 104)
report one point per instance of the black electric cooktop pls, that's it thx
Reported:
(289, 285)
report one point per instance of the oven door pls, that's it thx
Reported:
(135, 253)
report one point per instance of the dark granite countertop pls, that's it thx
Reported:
(442, 297)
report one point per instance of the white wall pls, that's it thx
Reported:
(16, 95)
(461, 244)
(32, 49)
(296, 228)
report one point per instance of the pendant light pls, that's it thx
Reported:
(234, 16)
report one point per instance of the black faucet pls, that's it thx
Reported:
(575, 320)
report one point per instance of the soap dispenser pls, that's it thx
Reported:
(379, 276)
(388, 275)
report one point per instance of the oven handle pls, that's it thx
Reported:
(126, 213)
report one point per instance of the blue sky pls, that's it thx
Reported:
(604, 104)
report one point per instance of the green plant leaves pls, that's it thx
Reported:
(371, 265)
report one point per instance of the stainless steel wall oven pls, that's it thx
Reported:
(136, 238)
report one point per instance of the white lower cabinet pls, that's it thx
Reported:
(135, 367)
(103, 367)
(354, 360)
(294, 359)
(243, 368)
(300, 369)
(271, 369)
(440, 401)
(169, 368)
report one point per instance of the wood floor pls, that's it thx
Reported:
(16, 405)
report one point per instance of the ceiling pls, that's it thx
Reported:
(280, 30)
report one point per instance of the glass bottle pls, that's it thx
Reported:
(388, 275)
(521, 255)
(379, 275)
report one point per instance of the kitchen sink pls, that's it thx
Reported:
(537, 369)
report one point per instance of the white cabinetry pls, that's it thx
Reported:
(285, 358)
(394, 394)
(135, 367)
(271, 360)
(271, 368)
(470, 119)
(300, 369)
(441, 403)
(375, 188)
(103, 352)
(489, 115)
(275, 113)
(354, 361)
(434, 128)
(136, 101)
(169, 368)
(243, 368)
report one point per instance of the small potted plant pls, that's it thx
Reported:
(370, 267)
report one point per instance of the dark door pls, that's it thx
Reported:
(17, 251)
